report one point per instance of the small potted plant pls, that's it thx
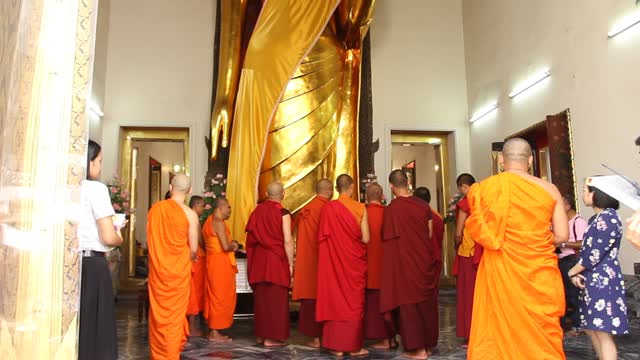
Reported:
(451, 208)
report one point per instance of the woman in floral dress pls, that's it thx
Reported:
(603, 312)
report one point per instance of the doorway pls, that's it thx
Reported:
(427, 160)
(149, 158)
(553, 156)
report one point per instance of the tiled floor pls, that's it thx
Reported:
(134, 342)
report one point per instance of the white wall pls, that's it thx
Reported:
(418, 75)
(167, 154)
(158, 72)
(596, 77)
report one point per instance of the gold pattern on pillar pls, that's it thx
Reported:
(43, 157)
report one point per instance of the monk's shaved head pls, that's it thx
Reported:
(275, 190)
(343, 183)
(323, 186)
(399, 179)
(516, 150)
(374, 192)
(217, 202)
(181, 184)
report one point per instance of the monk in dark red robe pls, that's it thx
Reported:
(375, 326)
(437, 225)
(465, 269)
(306, 266)
(342, 267)
(409, 267)
(269, 264)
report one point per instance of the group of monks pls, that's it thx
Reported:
(369, 271)
(360, 272)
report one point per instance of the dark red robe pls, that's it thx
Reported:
(465, 270)
(409, 270)
(438, 235)
(268, 271)
(342, 267)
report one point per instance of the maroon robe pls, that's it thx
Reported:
(465, 270)
(268, 271)
(438, 235)
(409, 271)
(342, 267)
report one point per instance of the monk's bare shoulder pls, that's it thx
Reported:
(191, 215)
(549, 187)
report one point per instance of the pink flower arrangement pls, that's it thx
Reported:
(120, 197)
(214, 189)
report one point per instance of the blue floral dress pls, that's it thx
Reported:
(603, 305)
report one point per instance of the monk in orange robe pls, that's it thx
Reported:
(172, 240)
(220, 301)
(519, 297)
(465, 267)
(437, 235)
(198, 274)
(269, 266)
(306, 264)
(409, 268)
(375, 326)
(342, 267)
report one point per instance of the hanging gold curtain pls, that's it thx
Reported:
(45, 70)
(285, 32)
(296, 112)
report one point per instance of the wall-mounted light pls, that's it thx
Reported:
(436, 167)
(95, 108)
(484, 112)
(625, 24)
(529, 83)
(176, 168)
(407, 144)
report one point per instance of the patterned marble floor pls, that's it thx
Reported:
(133, 341)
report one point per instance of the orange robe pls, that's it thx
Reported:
(169, 279)
(518, 287)
(220, 303)
(198, 278)
(306, 266)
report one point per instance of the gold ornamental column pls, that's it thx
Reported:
(42, 161)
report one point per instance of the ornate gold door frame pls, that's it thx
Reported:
(128, 175)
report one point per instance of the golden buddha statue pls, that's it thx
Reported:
(292, 104)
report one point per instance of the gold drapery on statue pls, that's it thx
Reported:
(296, 107)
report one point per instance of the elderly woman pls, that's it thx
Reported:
(603, 312)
